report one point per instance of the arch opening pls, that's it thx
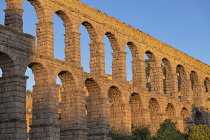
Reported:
(207, 84)
(29, 26)
(59, 35)
(6, 65)
(167, 75)
(149, 64)
(198, 118)
(85, 40)
(36, 73)
(170, 112)
(181, 81)
(187, 121)
(108, 53)
(129, 60)
(194, 80)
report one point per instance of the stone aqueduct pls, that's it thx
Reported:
(113, 104)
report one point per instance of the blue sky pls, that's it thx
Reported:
(181, 24)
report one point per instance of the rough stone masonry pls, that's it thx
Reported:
(110, 104)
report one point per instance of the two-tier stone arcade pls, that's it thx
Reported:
(111, 104)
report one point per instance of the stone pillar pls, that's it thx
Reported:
(98, 122)
(45, 39)
(156, 76)
(186, 90)
(97, 65)
(45, 124)
(72, 50)
(172, 85)
(13, 15)
(73, 117)
(13, 107)
(119, 66)
(139, 76)
(120, 118)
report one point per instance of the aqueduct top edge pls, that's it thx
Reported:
(130, 31)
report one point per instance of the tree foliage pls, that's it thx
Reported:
(147, 67)
(139, 134)
(199, 132)
(168, 131)
(28, 92)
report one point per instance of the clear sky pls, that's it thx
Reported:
(183, 24)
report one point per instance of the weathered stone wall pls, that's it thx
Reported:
(111, 103)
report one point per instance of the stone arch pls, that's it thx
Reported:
(96, 117)
(113, 41)
(168, 75)
(114, 46)
(118, 63)
(70, 37)
(187, 120)
(96, 62)
(150, 70)
(136, 111)
(119, 122)
(40, 11)
(198, 118)
(66, 20)
(155, 116)
(45, 100)
(91, 30)
(6, 64)
(207, 84)
(63, 33)
(39, 72)
(135, 60)
(181, 81)
(170, 112)
(194, 80)
(68, 95)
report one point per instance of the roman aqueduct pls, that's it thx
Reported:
(111, 104)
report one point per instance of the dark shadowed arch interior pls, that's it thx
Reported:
(207, 84)
(187, 120)
(198, 118)
(181, 77)
(6, 65)
(170, 112)
(194, 80)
